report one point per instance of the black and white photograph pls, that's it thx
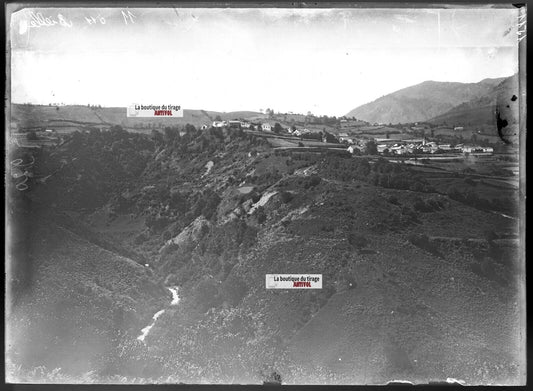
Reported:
(178, 175)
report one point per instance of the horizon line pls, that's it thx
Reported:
(259, 112)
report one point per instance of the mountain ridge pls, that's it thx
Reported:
(422, 101)
(482, 110)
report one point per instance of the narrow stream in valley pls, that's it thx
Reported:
(175, 300)
(504, 215)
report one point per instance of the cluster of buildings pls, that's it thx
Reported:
(476, 149)
(416, 146)
(265, 127)
(413, 146)
(385, 146)
(298, 132)
(345, 138)
(237, 124)
(229, 124)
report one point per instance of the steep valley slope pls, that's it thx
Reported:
(73, 303)
(412, 290)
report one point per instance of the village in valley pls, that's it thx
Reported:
(427, 145)
(290, 130)
(356, 141)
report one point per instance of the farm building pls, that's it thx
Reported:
(385, 141)
(382, 147)
(477, 149)
(301, 132)
(398, 149)
(234, 124)
(354, 148)
(344, 137)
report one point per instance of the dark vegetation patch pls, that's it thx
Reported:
(322, 227)
(358, 241)
(380, 173)
(425, 243)
(300, 182)
(429, 205)
(497, 263)
(507, 205)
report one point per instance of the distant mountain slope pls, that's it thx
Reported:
(482, 109)
(422, 101)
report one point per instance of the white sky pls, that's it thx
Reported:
(319, 60)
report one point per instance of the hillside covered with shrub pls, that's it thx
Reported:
(212, 212)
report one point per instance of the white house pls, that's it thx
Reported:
(353, 148)
(266, 127)
(398, 149)
(382, 147)
(458, 128)
(219, 124)
(344, 137)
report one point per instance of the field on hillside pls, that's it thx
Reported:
(63, 117)
(486, 182)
